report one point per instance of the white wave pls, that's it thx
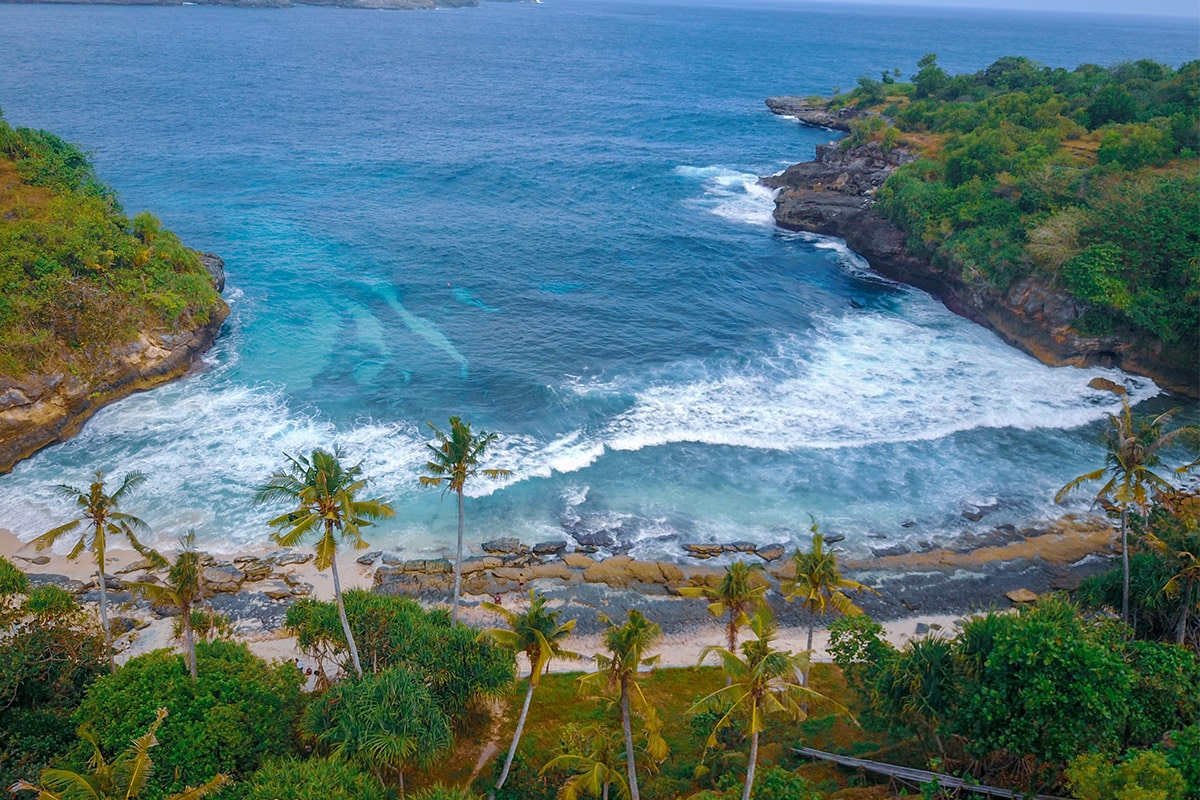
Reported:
(733, 195)
(424, 328)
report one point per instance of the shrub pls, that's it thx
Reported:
(313, 779)
(1144, 776)
(240, 711)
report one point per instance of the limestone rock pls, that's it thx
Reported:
(1105, 385)
(1021, 596)
(704, 550)
(551, 548)
(369, 559)
(770, 552)
(578, 560)
(505, 545)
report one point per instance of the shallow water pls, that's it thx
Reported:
(544, 218)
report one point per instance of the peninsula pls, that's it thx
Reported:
(1058, 208)
(96, 305)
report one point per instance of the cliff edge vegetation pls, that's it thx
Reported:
(1026, 184)
(93, 304)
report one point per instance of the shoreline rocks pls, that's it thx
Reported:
(834, 195)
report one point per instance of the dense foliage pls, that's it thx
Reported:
(1017, 697)
(77, 276)
(311, 779)
(50, 650)
(457, 666)
(1086, 179)
(240, 711)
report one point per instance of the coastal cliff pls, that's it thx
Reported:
(835, 195)
(41, 409)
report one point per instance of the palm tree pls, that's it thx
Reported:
(1179, 545)
(99, 518)
(453, 459)
(324, 492)
(537, 633)
(765, 681)
(739, 592)
(628, 645)
(183, 589)
(594, 756)
(123, 779)
(818, 585)
(1132, 451)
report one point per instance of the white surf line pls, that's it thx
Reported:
(424, 328)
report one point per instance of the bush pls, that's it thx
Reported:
(1144, 776)
(314, 779)
(240, 711)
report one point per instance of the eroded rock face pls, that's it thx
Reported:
(39, 410)
(834, 195)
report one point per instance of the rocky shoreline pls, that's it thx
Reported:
(834, 195)
(44, 409)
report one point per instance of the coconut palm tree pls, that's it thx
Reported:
(325, 496)
(1178, 543)
(1133, 450)
(453, 459)
(99, 518)
(628, 645)
(818, 585)
(123, 779)
(765, 681)
(594, 756)
(537, 633)
(741, 590)
(184, 588)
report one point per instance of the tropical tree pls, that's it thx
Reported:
(1179, 545)
(99, 518)
(1133, 450)
(740, 591)
(818, 585)
(183, 589)
(765, 681)
(122, 779)
(538, 634)
(453, 459)
(325, 496)
(593, 756)
(628, 645)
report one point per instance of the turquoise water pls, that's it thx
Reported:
(544, 218)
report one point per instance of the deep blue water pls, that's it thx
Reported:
(543, 218)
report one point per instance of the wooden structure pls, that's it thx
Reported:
(916, 777)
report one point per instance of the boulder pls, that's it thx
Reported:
(1105, 385)
(770, 552)
(284, 559)
(578, 560)
(1020, 596)
(506, 545)
(552, 548)
(704, 550)
(368, 559)
(391, 559)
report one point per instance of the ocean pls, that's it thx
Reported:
(544, 218)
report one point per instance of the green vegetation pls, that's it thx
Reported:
(240, 711)
(78, 277)
(310, 779)
(1086, 180)
(737, 594)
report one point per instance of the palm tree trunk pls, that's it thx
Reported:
(630, 765)
(512, 750)
(189, 641)
(1124, 565)
(753, 764)
(108, 643)
(604, 792)
(1181, 634)
(337, 593)
(812, 624)
(457, 563)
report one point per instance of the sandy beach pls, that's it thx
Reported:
(919, 593)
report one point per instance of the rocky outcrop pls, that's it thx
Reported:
(834, 195)
(40, 410)
(819, 115)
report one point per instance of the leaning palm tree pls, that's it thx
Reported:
(765, 681)
(325, 496)
(593, 755)
(1178, 543)
(99, 518)
(740, 591)
(538, 634)
(453, 459)
(1133, 450)
(123, 779)
(183, 589)
(818, 585)
(627, 645)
